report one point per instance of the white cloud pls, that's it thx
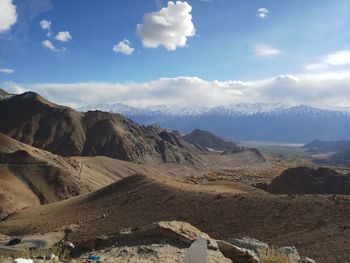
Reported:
(8, 15)
(170, 27)
(338, 58)
(13, 88)
(63, 36)
(262, 12)
(46, 25)
(6, 70)
(123, 47)
(263, 50)
(327, 90)
(48, 44)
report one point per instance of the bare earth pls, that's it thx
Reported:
(316, 225)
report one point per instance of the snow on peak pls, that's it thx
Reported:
(237, 109)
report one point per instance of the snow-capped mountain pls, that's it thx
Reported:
(230, 110)
(115, 108)
(244, 121)
(153, 110)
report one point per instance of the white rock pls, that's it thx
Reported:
(53, 257)
(197, 253)
(23, 260)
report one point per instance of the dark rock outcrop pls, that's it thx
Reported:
(210, 140)
(303, 180)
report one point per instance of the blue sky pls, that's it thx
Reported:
(232, 41)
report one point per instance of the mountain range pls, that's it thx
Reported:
(243, 121)
(118, 174)
(33, 120)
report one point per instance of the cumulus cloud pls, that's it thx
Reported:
(262, 12)
(46, 25)
(124, 47)
(8, 15)
(170, 27)
(338, 58)
(63, 36)
(6, 70)
(326, 90)
(263, 50)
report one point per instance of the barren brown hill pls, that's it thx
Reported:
(30, 176)
(33, 120)
(317, 225)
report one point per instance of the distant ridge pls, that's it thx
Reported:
(246, 122)
(327, 146)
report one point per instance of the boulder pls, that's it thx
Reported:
(249, 243)
(180, 231)
(237, 254)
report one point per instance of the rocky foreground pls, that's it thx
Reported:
(165, 241)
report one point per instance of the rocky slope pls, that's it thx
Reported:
(303, 180)
(164, 241)
(33, 120)
(316, 225)
(30, 176)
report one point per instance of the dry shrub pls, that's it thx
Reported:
(212, 176)
(273, 256)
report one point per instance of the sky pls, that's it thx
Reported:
(195, 52)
